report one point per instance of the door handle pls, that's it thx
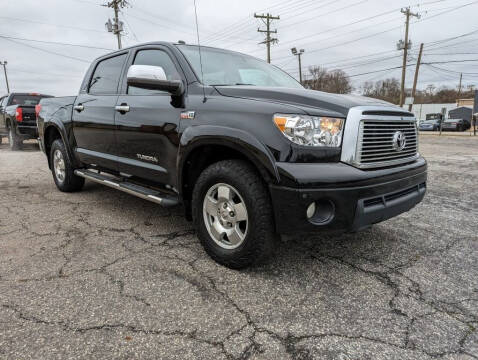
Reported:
(123, 108)
(79, 107)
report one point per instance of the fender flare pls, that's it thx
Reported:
(60, 127)
(236, 139)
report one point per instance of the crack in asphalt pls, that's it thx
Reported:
(208, 282)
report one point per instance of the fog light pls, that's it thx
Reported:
(321, 212)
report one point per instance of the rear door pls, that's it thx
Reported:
(94, 112)
(147, 134)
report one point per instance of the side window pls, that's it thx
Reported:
(154, 58)
(106, 76)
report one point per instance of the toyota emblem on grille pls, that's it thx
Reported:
(399, 141)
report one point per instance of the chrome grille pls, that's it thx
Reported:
(376, 143)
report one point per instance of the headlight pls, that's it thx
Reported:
(311, 130)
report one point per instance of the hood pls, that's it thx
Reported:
(307, 99)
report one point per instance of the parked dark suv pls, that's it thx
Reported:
(242, 145)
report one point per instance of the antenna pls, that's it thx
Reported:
(200, 54)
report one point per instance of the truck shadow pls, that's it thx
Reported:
(375, 247)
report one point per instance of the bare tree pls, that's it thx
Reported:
(335, 81)
(388, 90)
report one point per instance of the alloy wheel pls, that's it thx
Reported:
(59, 166)
(225, 216)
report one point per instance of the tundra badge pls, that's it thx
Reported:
(147, 158)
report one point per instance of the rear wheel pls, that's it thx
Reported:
(233, 214)
(13, 140)
(62, 169)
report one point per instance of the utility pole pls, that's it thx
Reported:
(415, 80)
(267, 19)
(4, 63)
(459, 86)
(116, 27)
(406, 46)
(299, 55)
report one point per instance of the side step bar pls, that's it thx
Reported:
(130, 188)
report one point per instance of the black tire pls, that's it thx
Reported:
(70, 182)
(257, 245)
(14, 142)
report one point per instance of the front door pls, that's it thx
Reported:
(94, 113)
(147, 123)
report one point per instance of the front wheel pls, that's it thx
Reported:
(62, 169)
(233, 214)
(13, 140)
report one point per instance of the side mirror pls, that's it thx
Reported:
(153, 78)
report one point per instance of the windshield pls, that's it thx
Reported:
(222, 68)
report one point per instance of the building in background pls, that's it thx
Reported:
(465, 102)
(421, 110)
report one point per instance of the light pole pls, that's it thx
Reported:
(299, 55)
(4, 63)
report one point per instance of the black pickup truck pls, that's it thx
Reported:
(242, 145)
(18, 117)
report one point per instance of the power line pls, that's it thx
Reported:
(240, 25)
(129, 26)
(49, 24)
(46, 51)
(374, 72)
(389, 30)
(243, 25)
(54, 42)
(327, 13)
(450, 71)
(449, 62)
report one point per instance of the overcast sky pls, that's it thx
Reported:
(359, 36)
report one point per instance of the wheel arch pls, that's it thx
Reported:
(53, 132)
(200, 148)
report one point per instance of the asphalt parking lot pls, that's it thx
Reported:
(101, 274)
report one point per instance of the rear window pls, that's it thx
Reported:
(26, 99)
(106, 76)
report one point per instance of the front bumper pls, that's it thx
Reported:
(357, 198)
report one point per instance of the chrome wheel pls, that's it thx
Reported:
(59, 166)
(225, 216)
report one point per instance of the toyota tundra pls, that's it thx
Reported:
(246, 149)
